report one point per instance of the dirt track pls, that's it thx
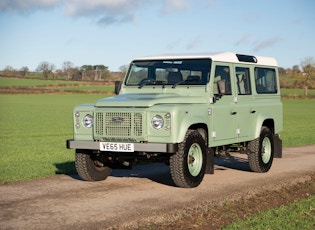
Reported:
(141, 195)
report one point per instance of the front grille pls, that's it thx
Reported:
(118, 124)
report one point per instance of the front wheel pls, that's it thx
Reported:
(188, 165)
(89, 168)
(261, 151)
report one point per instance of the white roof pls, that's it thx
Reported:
(222, 57)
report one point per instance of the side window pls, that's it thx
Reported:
(222, 73)
(161, 75)
(265, 79)
(243, 81)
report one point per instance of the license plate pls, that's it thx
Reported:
(116, 147)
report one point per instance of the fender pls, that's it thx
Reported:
(261, 118)
(192, 116)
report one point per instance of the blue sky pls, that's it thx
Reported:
(112, 32)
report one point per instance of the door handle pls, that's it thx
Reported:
(253, 111)
(233, 113)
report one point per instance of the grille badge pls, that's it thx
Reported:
(117, 119)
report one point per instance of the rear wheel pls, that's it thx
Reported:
(89, 168)
(189, 163)
(261, 151)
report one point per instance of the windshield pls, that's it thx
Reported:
(169, 72)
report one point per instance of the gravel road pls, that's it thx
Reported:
(140, 195)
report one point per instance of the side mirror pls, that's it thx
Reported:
(117, 87)
(221, 87)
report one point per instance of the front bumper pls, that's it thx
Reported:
(138, 147)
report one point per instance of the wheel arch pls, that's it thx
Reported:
(270, 124)
(264, 120)
(202, 129)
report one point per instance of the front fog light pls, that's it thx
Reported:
(157, 122)
(88, 121)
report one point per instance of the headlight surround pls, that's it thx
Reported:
(157, 122)
(88, 121)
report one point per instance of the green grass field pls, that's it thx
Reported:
(298, 122)
(33, 133)
(34, 129)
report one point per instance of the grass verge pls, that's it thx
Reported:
(291, 207)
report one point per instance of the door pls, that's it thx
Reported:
(224, 114)
(244, 101)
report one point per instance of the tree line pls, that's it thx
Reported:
(299, 76)
(68, 72)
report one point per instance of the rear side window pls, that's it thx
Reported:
(243, 81)
(265, 79)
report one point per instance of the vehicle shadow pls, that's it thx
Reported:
(232, 162)
(67, 168)
(157, 172)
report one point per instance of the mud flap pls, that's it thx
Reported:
(277, 146)
(210, 161)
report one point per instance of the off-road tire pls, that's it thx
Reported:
(188, 164)
(88, 168)
(261, 151)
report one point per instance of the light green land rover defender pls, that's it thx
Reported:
(183, 110)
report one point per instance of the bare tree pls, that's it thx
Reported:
(123, 68)
(46, 68)
(9, 71)
(308, 67)
(68, 68)
(24, 70)
(295, 69)
(86, 70)
(101, 72)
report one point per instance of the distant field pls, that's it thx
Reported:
(299, 92)
(25, 86)
(34, 82)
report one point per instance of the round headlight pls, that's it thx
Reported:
(88, 121)
(157, 122)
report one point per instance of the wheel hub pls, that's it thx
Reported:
(194, 159)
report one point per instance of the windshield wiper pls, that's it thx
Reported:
(192, 78)
(145, 82)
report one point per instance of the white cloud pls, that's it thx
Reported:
(104, 12)
(88, 7)
(171, 6)
(243, 40)
(269, 42)
(27, 5)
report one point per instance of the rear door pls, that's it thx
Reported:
(245, 107)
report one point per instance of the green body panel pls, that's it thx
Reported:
(81, 132)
